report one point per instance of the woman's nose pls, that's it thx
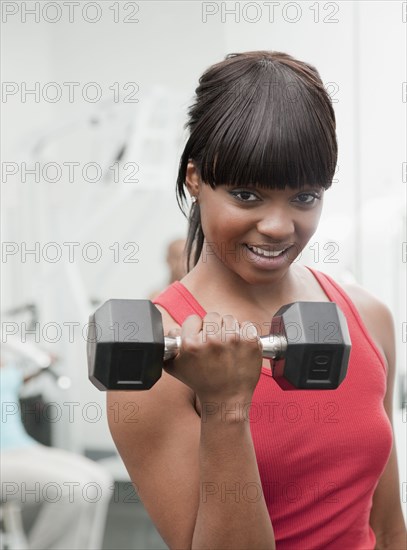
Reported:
(277, 225)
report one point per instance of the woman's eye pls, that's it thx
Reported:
(245, 196)
(308, 198)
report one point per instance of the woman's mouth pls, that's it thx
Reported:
(267, 252)
(267, 257)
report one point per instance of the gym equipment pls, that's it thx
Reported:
(308, 346)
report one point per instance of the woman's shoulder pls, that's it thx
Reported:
(370, 308)
(376, 316)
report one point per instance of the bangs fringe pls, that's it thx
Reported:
(268, 135)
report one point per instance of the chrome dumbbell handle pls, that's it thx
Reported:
(274, 346)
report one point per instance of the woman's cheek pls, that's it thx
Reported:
(304, 233)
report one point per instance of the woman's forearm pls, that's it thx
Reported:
(392, 541)
(232, 511)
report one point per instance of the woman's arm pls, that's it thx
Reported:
(192, 473)
(232, 512)
(386, 516)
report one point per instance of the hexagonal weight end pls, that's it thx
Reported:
(318, 348)
(125, 345)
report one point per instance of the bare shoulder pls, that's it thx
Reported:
(365, 301)
(377, 318)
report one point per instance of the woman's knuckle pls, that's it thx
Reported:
(189, 343)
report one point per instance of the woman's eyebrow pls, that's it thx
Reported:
(314, 186)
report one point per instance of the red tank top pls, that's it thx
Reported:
(320, 453)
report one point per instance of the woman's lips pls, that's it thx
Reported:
(267, 252)
(267, 258)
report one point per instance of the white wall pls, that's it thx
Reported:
(362, 55)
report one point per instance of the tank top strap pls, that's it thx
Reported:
(179, 302)
(334, 292)
(355, 322)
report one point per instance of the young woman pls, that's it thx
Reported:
(222, 457)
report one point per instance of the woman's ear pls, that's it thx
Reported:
(192, 179)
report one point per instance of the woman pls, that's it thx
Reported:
(221, 456)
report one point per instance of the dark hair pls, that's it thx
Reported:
(259, 118)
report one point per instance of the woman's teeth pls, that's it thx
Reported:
(265, 253)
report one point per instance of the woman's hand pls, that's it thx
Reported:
(218, 359)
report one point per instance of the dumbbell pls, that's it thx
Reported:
(308, 346)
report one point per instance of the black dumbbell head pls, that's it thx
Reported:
(318, 348)
(125, 345)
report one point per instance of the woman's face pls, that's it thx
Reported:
(257, 233)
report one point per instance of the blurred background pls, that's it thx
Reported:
(94, 99)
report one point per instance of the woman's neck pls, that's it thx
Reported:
(213, 283)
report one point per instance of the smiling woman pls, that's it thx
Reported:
(222, 457)
(262, 119)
